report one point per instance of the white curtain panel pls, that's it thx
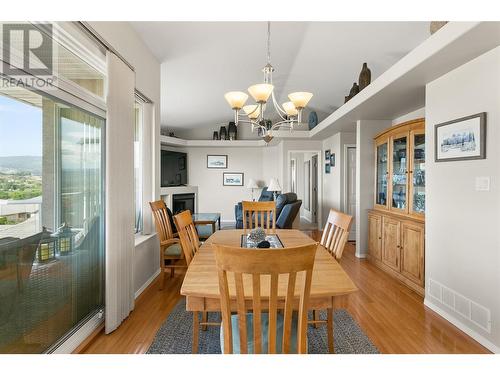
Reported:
(120, 212)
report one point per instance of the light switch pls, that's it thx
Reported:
(482, 184)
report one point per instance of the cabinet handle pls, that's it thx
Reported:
(380, 238)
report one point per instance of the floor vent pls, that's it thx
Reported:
(468, 309)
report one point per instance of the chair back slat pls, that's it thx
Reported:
(257, 321)
(162, 220)
(188, 235)
(242, 313)
(259, 214)
(336, 232)
(256, 269)
(287, 320)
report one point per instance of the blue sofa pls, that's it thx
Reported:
(287, 209)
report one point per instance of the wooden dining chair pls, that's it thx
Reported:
(334, 239)
(256, 273)
(190, 242)
(170, 249)
(259, 214)
(336, 232)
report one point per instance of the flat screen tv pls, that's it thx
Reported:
(173, 168)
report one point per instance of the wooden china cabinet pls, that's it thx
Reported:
(396, 224)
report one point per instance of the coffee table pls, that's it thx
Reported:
(202, 219)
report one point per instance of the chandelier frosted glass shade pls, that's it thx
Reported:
(261, 92)
(300, 99)
(290, 109)
(252, 111)
(236, 99)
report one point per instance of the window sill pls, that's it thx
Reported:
(140, 238)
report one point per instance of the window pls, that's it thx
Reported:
(138, 160)
(51, 193)
(51, 174)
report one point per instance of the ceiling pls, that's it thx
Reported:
(203, 60)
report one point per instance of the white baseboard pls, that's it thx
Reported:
(457, 323)
(147, 283)
(359, 255)
(79, 336)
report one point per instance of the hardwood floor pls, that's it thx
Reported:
(393, 316)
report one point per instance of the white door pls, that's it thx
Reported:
(351, 189)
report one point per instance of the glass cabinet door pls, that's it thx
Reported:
(399, 173)
(382, 174)
(418, 173)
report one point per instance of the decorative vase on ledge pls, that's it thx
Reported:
(232, 131)
(354, 90)
(365, 77)
(215, 137)
(223, 133)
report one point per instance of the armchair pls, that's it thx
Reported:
(287, 208)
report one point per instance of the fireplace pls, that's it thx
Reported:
(182, 202)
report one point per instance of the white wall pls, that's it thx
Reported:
(365, 177)
(333, 183)
(212, 195)
(124, 39)
(419, 113)
(462, 224)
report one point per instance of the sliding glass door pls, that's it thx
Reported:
(51, 219)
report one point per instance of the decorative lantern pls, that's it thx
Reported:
(47, 248)
(65, 239)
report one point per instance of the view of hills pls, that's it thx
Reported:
(21, 164)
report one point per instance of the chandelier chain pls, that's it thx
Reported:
(268, 42)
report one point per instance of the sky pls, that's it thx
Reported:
(20, 128)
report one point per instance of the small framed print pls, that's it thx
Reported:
(461, 139)
(217, 161)
(332, 159)
(327, 155)
(232, 179)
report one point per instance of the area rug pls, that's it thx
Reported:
(175, 335)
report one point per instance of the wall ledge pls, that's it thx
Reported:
(141, 238)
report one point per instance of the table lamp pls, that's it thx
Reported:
(274, 186)
(252, 184)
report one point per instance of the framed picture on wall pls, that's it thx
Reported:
(232, 179)
(332, 159)
(217, 161)
(327, 155)
(461, 139)
(327, 168)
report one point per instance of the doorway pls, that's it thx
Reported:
(350, 187)
(304, 180)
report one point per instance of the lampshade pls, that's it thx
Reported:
(274, 185)
(252, 111)
(236, 99)
(300, 99)
(290, 109)
(252, 184)
(261, 92)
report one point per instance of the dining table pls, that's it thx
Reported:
(329, 287)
